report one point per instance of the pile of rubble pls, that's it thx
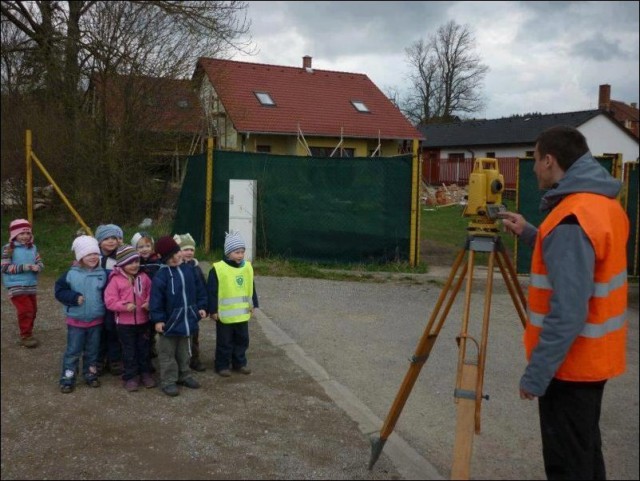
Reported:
(443, 195)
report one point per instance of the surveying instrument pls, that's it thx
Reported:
(484, 206)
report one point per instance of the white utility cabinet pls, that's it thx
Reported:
(242, 212)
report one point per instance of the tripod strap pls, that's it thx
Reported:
(419, 359)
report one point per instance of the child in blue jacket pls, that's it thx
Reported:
(178, 302)
(80, 290)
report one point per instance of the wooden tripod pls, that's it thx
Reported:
(470, 373)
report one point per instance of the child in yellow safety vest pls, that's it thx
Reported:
(232, 298)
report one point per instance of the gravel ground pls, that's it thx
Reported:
(279, 423)
(363, 335)
(276, 423)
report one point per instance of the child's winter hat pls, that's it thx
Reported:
(139, 235)
(85, 245)
(126, 254)
(17, 227)
(166, 247)
(105, 231)
(233, 241)
(185, 241)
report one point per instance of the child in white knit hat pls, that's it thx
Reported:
(80, 291)
(232, 298)
(188, 248)
(21, 264)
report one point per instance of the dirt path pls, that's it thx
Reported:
(277, 423)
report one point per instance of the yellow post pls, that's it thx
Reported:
(418, 161)
(61, 194)
(29, 178)
(415, 193)
(209, 196)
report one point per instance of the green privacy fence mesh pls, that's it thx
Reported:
(528, 201)
(633, 206)
(324, 209)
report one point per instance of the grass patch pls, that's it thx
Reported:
(446, 226)
(55, 230)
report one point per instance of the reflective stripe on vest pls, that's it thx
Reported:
(235, 292)
(599, 351)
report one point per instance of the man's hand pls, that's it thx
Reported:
(512, 222)
(202, 313)
(160, 327)
(527, 395)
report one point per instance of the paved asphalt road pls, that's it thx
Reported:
(362, 334)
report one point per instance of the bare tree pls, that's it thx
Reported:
(57, 49)
(446, 76)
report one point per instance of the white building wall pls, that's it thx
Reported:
(602, 135)
(501, 151)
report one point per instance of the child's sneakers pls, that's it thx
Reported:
(132, 384)
(190, 383)
(29, 342)
(148, 381)
(66, 388)
(243, 370)
(170, 390)
(93, 382)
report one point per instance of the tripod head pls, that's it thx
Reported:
(484, 200)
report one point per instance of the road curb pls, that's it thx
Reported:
(409, 463)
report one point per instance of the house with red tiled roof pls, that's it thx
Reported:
(256, 107)
(626, 114)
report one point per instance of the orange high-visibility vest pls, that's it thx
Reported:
(598, 353)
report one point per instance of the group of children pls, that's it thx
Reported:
(125, 304)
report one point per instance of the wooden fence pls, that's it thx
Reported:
(445, 171)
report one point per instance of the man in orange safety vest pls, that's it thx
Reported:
(576, 330)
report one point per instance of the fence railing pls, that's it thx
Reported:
(445, 171)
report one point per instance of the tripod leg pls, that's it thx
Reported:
(511, 280)
(420, 356)
(482, 352)
(465, 392)
(470, 379)
(464, 425)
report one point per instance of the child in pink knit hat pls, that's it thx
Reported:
(21, 264)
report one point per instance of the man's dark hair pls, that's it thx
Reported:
(565, 143)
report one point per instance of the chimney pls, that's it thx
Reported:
(306, 62)
(604, 97)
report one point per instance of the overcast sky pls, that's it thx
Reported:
(546, 57)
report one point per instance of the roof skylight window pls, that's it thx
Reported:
(265, 98)
(360, 106)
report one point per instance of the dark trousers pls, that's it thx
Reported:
(135, 349)
(110, 348)
(232, 341)
(27, 307)
(195, 348)
(570, 426)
